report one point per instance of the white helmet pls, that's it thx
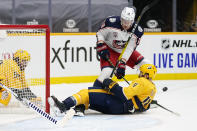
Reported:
(128, 14)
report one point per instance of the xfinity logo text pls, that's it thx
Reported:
(69, 53)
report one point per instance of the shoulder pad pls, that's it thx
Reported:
(113, 21)
(139, 31)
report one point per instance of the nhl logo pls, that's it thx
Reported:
(165, 43)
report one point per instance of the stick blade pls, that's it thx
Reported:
(69, 115)
(177, 114)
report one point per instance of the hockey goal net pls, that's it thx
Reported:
(25, 65)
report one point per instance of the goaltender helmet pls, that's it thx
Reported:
(128, 14)
(22, 55)
(149, 69)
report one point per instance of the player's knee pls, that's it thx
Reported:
(97, 83)
(82, 97)
(83, 92)
(105, 73)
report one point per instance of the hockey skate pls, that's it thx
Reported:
(79, 110)
(57, 107)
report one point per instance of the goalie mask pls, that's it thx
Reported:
(22, 57)
(149, 69)
(127, 17)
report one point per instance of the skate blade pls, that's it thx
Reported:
(80, 114)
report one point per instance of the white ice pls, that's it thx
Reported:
(181, 97)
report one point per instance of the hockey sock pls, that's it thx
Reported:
(69, 102)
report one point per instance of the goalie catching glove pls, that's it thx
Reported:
(103, 51)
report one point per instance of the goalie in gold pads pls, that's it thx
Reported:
(13, 76)
(114, 99)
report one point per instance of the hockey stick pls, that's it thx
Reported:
(155, 102)
(114, 72)
(39, 111)
(147, 7)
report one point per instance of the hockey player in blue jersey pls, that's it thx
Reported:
(112, 98)
(111, 39)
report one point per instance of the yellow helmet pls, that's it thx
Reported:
(148, 69)
(22, 55)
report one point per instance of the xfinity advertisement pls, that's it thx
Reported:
(75, 55)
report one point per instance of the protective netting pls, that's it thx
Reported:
(23, 55)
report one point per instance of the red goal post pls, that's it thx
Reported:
(30, 30)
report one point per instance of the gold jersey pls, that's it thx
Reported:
(14, 77)
(144, 89)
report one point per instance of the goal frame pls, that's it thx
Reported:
(47, 55)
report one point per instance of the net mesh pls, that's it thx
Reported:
(23, 68)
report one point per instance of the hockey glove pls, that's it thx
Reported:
(120, 72)
(4, 95)
(103, 51)
(108, 84)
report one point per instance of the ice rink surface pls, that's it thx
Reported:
(181, 97)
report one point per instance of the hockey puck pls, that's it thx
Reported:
(165, 89)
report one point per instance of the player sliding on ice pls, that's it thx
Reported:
(112, 45)
(112, 98)
(12, 75)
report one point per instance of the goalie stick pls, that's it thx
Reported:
(147, 7)
(69, 114)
